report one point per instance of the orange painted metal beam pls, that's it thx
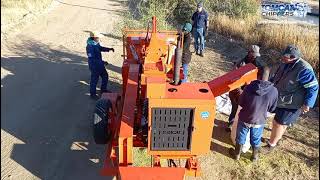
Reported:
(125, 140)
(234, 79)
(129, 104)
(151, 173)
(110, 165)
(154, 24)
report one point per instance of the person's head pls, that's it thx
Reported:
(187, 27)
(199, 6)
(94, 35)
(254, 51)
(290, 54)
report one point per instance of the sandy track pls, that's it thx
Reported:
(46, 111)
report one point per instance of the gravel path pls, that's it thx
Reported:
(46, 111)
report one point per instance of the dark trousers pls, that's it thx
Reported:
(234, 98)
(234, 109)
(95, 78)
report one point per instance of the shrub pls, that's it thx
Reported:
(234, 8)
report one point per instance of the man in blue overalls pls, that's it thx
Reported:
(96, 64)
(200, 27)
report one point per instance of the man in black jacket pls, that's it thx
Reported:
(186, 54)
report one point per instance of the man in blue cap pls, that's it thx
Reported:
(298, 89)
(200, 24)
(186, 54)
(96, 64)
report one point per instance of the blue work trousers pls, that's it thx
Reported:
(95, 78)
(199, 39)
(255, 134)
(185, 73)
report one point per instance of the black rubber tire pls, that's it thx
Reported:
(101, 121)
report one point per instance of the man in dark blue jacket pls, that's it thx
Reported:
(298, 89)
(96, 64)
(200, 26)
(258, 98)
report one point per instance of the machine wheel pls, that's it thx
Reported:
(101, 121)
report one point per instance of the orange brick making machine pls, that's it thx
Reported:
(155, 111)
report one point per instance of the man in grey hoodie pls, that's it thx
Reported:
(258, 98)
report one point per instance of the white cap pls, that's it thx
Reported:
(255, 49)
(95, 34)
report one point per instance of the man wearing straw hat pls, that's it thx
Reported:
(96, 64)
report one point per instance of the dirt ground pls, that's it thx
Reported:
(46, 111)
(296, 157)
(46, 114)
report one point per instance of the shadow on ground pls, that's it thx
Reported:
(45, 104)
(220, 138)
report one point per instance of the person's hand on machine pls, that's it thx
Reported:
(305, 109)
(111, 49)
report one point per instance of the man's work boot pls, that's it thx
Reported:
(264, 140)
(197, 52)
(267, 148)
(94, 97)
(235, 153)
(201, 54)
(255, 152)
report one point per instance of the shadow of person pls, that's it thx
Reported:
(113, 68)
(48, 113)
(221, 139)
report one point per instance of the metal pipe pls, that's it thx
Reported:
(177, 61)
(154, 24)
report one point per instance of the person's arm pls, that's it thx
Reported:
(193, 18)
(240, 63)
(272, 77)
(309, 81)
(242, 98)
(105, 49)
(274, 102)
(207, 21)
